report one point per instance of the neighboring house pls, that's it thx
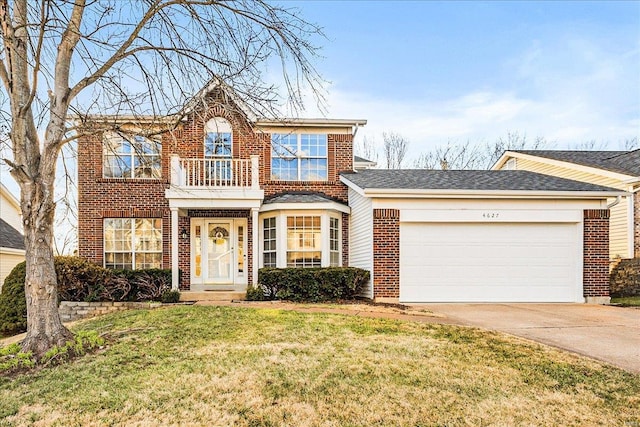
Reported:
(360, 163)
(617, 169)
(225, 193)
(11, 239)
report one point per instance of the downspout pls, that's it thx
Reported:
(615, 202)
(355, 130)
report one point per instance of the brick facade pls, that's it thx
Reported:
(596, 253)
(636, 225)
(386, 253)
(100, 198)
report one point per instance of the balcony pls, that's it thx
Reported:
(213, 183)
(215, 173)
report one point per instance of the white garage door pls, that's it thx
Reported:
(471, 262)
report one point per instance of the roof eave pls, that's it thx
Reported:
(522, 194)
(562, 163)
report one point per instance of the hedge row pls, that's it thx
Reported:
(309, 284)
(81, 280)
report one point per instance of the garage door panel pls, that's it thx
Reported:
(488, 262)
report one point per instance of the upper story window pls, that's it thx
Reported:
(218, 138)
(131, 156)
(299, 157)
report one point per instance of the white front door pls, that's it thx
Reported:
(218, 253)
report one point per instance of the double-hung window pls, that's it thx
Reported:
(132, 243)
(218, 146)
(299, 157)
(131, 156)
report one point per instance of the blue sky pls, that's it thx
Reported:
(440, 72)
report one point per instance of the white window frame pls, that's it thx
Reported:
(133, 250)
(299, 155)
(281, 234)
(108, 152)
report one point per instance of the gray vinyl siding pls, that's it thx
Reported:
(361, 236)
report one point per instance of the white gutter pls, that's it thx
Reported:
(311, 122)
(615, 202)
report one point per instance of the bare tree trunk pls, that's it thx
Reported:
(44, 330)
(44, 327)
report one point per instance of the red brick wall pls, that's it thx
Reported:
(596, 253)
(386, 253)
(636, 225)
(100, 198)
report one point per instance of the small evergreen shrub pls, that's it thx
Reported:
(256, 293)
(170, 297)
(13, 305)
(312, 284)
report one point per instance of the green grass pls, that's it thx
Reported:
(266, 367)
(627, 301)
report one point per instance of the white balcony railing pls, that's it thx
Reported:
(215, 173)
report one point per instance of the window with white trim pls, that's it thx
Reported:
(218, 148)
(299, 157)
(304, 241)
(301, 238)
(126, 156)
(334, 242)
(269, 254)
(132, 243)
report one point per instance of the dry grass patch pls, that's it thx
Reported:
(265, 367)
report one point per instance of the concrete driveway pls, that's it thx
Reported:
(609, 334)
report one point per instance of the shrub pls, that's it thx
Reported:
(625, 278)
(256, 293)
(170, 297)
(312, 284)
(13, 305)
(81, 280)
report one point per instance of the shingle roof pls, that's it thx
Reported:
(362, 159)
(625, 162)
(10, 237)
(299, 197)
(423, 179)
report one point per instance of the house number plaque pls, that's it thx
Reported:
(490, 215)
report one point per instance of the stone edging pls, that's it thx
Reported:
(75, 310)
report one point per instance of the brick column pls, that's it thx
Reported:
(596, 256)
(386, 254)
(636, 225)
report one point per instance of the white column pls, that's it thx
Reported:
(255, 239)
(176, 173)
(175, 273)
(255, 172)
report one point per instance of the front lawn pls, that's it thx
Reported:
(259, 367)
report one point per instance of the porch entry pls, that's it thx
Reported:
(218, 254)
